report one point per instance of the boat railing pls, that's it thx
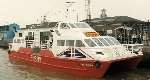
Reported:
(134, 48)
(74, 53)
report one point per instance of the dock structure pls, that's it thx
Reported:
(7, 33)
(124, 28)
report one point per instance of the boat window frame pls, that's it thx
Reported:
(69, 44)
(20, 34)
(99, 42)
(30, 36)
(66, 26)
(107, 44)
(90, 43)
(110, 42)
(75, 55)
(72, 25)
(77, 26)
(63, 42)
(18, 41)
(116, 42)
(83, 45)
(73, 44)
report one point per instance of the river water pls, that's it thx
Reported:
(9, 71)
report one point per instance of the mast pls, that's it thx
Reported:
(88, 10)
(103, 14)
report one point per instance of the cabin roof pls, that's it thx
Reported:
(42, 25)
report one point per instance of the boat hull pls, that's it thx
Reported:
(127, 63)
(78, 67)
(85, 68)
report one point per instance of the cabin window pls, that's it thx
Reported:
(82, 25)
(109, 41)
(44, 36)
(64, 26)
(20, 34)
(72, 52)
(22, 40)
(97, 42)
(103, 41)
(17, 41)
(115, 41)
(90, 43)
(69, 42)
(79, 43)
(72, 25)
(78, 54)
(30, 36)
(60, 42)
(57, 32)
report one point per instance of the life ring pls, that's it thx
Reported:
(97, 64)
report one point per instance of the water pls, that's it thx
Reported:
(9, 71)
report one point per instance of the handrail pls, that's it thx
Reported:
(133, 47)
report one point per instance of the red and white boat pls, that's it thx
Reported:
(71, 47)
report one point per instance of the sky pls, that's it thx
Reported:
(25, 12)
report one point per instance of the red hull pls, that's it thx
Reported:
(46, 60)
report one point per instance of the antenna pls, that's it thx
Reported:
(45, 16)
(69, 4)
(103, 14)
(77, 17)
(88, 11)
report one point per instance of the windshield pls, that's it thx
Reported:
(82, 25)
(103, 41)
(115, 41)
(90, 43)
(79, 43)
(109, 41)
(64, 26)
(97, 42)
(72, 25)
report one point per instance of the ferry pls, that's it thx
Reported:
(72, 48)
